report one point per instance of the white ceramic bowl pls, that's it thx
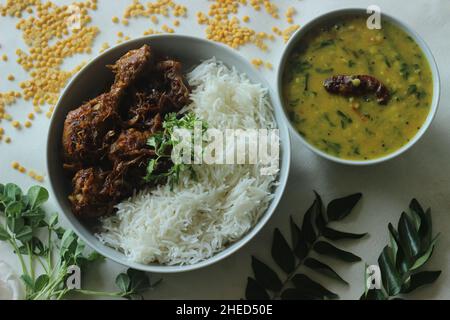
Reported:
(332, 16)
(94, 78)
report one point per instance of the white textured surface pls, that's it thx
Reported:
(423, 172)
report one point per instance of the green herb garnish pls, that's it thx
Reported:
(163, 143)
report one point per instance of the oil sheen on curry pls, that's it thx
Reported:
(356, 93)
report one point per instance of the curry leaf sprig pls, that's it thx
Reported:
(315, 235)
(42, 245)
(411, 246)
(164, 142)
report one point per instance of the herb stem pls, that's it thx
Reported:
(297, 267)
(19, 255)
(31, 262)
(99, 293)
(49, 253)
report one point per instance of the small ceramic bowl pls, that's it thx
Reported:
(333, 16)
(95, 77)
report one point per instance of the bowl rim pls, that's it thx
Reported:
(297, 37)
(285, 162)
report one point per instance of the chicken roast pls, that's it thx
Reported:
(104, 141)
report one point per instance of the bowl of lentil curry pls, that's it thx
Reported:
(357, 95)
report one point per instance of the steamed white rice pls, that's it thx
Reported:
(195, 219)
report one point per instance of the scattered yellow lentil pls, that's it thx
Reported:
(222, 24)
(176, 23)
(289, 14)
(120, 34)
(16, 124)
(2, 131)
(288, 32)
(11, 77)
(50, 39)
(167, 29)
(31, 116)
(125, 22)
(7, 139)
(27, 124)
(158, 7)
(5, 57)
(115, 19)
(15, 165)
(22, 169)
(257, 62)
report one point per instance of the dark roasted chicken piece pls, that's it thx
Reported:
(130, 145)
(88, 131)
(105, 140)
(86, 198)
(129, 67)
(178, 89)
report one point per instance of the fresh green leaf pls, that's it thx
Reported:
(69, 245)
(37, 196)
(29, 283)
(308, 287)
(14, 209)
(60, 231)
(139, 280)
(298, 241)
(340, 208)
(426, 256)
(254, 291)
(4, 235)
(391, 279)
(95, 256)
(81, 246)
(15, 225)
(265, 276)
(328, 249)
(426, 230)
(321, 267)
(400, 259)
(332, 234)
(282, 253)
(408, 236)
(123, 282)
(151, 142)
(374, 294)
(421, 279)
(25, 235)
(41, 282)
(37, 247)
(150, 169)
(53, 221)
(308, 221)
(321, 222)
(13, 192)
